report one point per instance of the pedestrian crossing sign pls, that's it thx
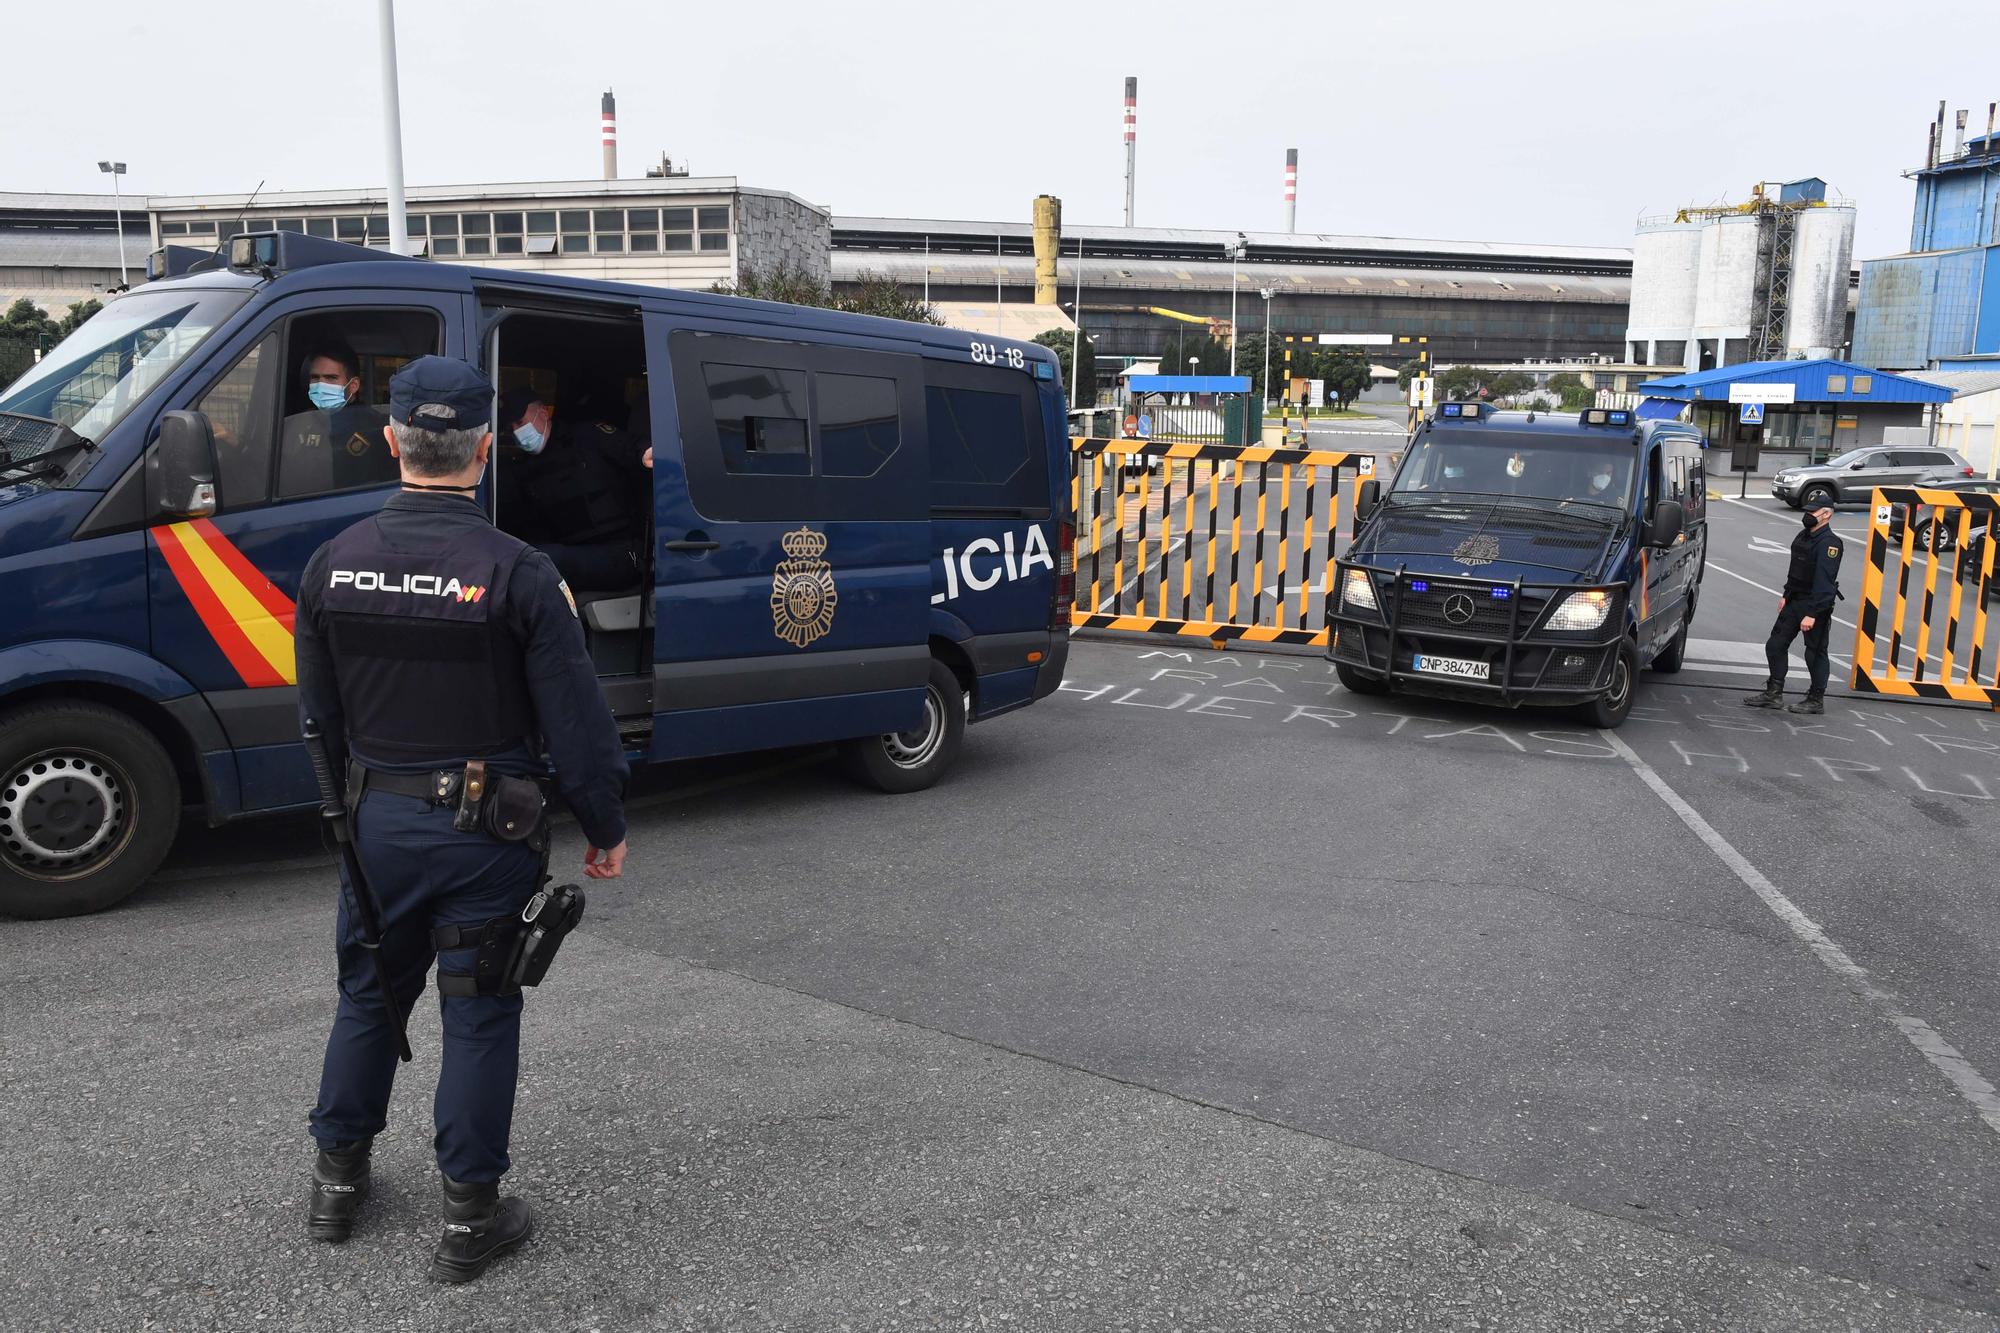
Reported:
(1750, 414)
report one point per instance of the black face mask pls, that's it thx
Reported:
(1810, 521)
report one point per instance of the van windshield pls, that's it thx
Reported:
(95, 376)
(1572, 470)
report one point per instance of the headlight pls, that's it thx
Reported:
(1359, 590)
(1582, 610)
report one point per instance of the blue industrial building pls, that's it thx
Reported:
(1939, 305)
(1835, 405)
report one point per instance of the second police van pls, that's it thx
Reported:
(857, 531)
(1526, 558)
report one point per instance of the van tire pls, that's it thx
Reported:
(907, 761)
(125, 797)
(1356, 681)
(1609, 710)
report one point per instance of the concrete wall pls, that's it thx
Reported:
(1822, 259)
(1971, 425)
(773, 231)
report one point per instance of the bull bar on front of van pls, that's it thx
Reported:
(1505, 624)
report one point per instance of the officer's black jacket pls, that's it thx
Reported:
(588, 484)
(1813, 580)
(574, 721)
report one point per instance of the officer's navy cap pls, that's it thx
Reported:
(440, 393)
(514, 403)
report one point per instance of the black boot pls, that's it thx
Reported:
(1773, 696)
(478, 1226)
(1812, 703)
(339, 1183)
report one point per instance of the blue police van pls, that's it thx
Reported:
(1526, 558)
(858, 531)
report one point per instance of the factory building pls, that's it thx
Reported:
(1938, 305)
(57, 249)
(1475, 301)
(1767, 279)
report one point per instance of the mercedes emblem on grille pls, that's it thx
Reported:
(1458, 608)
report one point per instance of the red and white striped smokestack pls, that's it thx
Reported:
(1291, 189)
(610, 109)
(1131, 140)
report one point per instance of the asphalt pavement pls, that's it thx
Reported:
(1201, 995)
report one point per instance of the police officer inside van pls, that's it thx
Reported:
(336, 440)
(579, 492)
(439, 656)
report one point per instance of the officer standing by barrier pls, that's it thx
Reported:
(1812, 585)
(436, 655)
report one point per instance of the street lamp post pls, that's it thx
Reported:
(392, 128)
(1236, 251)
(1267, 293)
(115, 170)
(1076, 341)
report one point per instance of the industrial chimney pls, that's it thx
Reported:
(610, 108)
(1048, 235)
(1291, 189)
(1131, 139)
(1958, 137)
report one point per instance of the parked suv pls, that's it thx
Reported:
(1848, 478)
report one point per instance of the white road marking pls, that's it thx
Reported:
(1775, 592)
(1943, 1056)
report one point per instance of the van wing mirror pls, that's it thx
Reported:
(1666, 526)
(1366, 496)
(180, 471)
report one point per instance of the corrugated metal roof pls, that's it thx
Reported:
(1103, 279)
(1960, 382)
(920, 227)
(1021, 321)
(69, 249)
(20, 200)
(1808, 379)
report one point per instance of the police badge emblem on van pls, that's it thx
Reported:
(803, 598)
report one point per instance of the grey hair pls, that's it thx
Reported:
(437, 453)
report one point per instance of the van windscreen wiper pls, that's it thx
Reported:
(37, 447)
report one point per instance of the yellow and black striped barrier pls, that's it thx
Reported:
(1900, 649)
(1174, 515)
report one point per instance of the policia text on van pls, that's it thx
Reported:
(165, 475)
(1520, 558)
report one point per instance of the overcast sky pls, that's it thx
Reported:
(1553, 121)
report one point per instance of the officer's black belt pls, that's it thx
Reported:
(439, 787)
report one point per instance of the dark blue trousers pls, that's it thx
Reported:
(424, 874)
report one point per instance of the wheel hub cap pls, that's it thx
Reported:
(912, 749)
(58, 810)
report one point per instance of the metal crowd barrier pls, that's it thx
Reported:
(1213, 541)
(1903, 651)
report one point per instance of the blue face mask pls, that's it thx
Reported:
(530, 439)
(327, 397)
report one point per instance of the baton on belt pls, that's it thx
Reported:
(333, 814)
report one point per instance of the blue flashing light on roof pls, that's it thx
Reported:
(1607, 416)
(1462, 411)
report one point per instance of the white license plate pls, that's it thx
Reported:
(1453, 666)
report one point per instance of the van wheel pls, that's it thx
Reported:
(89, 804)
(904, 761)
(1669, 659)
(1355, 681)
(1610, 709)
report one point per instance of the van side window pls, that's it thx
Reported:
(240, 408)
(986, 439)
(760, 418)
(322, 451)
(858, 426)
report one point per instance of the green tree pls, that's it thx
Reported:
(872, 293)
(1184, 350)
(1458, 383)
(1061, 341)
(28, 321)
(1509, 383)
(1571, 391)
(1347, 376)
(79, 311)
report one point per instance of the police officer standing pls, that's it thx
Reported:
(1812, 585)
(580, 493)
(438, 655)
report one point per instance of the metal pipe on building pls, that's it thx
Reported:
(392, 130)
(1291, 189)
(1958, 135)
(609, 111)
(1048, 234)
(1131, 140)
(1937, 143)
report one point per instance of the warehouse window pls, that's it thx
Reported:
(1863, 383)
(1836, 384)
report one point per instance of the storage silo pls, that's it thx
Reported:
(1725, 292)
(1822, 258)
(1666, 257)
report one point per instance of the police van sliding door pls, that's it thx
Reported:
(792, 571)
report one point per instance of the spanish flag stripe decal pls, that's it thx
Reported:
(257, 644)
(266, 592)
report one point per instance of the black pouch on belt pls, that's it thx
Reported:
(512, 809)
(549, 916)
